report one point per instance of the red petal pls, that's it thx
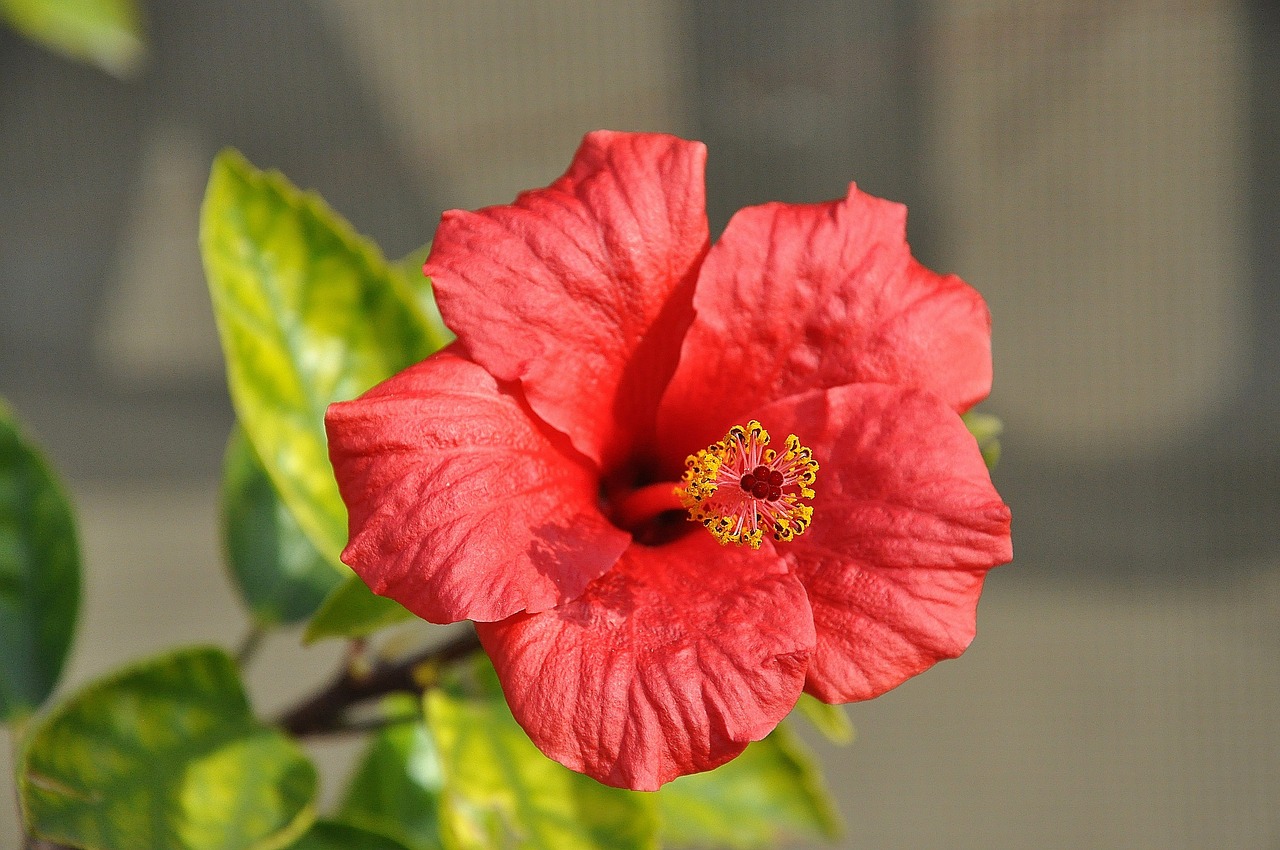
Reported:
(668, 665)
(581, 291)
(800, 297)
(460, 507)
(905, 525)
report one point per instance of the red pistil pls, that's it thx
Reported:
(641, 506)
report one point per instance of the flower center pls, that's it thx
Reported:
(739, 488)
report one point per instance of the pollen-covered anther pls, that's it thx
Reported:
(739, 488)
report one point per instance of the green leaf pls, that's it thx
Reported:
(499, 791)
(353, 610)
(39, 574)
(831, 720)
(280, 575)
(986, 429)
(166, 754)
(336, 835)
(773, 791)
(106, 33)
(308, 313)
(396, 789)
(410, 267)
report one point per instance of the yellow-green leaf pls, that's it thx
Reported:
(831, 720)
(39, 574)
(337, 835)
(308, 313)
(773, 791)
(396, 789)
(106, 33)
(986, 429)
(353, 610)
(280, 575)
(500, 791)
(166, 754)
(410, 268)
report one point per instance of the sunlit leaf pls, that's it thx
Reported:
(337, 835)
(396, 789)
(106, 33)
(280, 575)
(353, 610)
(831, 720)
(166, 754)
(410, 266)
(308, 313)
(500, 791)
(39, 574)
(986, 429)
(773, 791)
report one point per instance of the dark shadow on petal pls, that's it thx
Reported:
(654, 362)
(558, 549)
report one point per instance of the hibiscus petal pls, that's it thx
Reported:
(460, 507)
(581, 291)
(668, 665)
(797, 297)
(905, 525)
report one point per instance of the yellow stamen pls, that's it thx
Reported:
(739, 488)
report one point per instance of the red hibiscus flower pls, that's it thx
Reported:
(793, 389)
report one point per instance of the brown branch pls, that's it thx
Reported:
(325, 711)
(33, 843)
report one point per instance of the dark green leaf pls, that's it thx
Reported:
(39, 575)
(831, 720)
(396, 789)
(353, 610)
(986, 429)
(308, 313)
(106, 33)
(166, 754)
(499, 791)
(771, 792)
(336, 835)
(280, 575)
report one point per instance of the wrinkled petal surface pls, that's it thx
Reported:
(799, 297)
(670, 664)
(460, 507)
(582, 291)
(905, 525)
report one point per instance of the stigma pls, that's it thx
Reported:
(740, 489)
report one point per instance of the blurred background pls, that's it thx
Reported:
(1107, 174)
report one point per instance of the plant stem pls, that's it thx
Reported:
(324, 712)
(250, 644)
(33, 843)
